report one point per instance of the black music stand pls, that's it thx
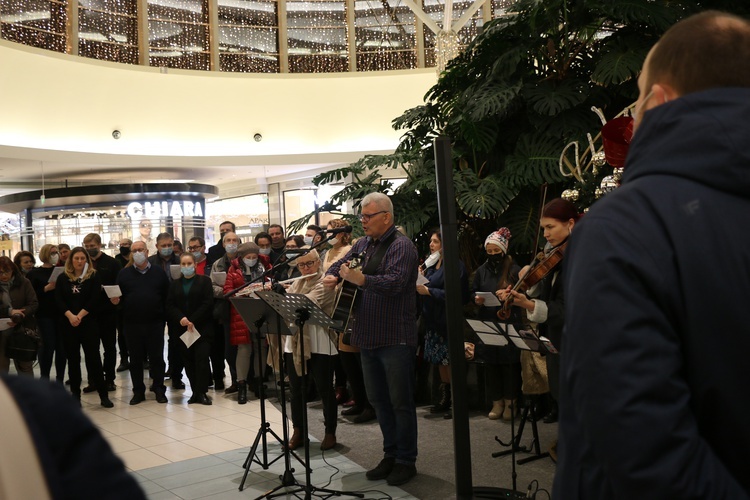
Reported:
(256, 313)
(501, 335)
(298, 309)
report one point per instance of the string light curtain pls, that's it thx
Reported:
(385, 33)
(435, 9)
(500, 7)
(108, 30)
(317, 34)
(178, 34)
(249, 36)
(39, 23)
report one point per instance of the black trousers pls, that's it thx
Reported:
(503, 380)
(320, 368)
(146, 338)
(174, 354)
(197, 368)
(108, 336)
(217, 352)
(85, 335)
(353, 366)
(122, 342)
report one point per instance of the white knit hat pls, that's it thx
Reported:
(499, 238)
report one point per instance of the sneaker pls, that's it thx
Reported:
(401, 474)
(382, 471)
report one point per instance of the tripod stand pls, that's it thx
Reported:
(492, 333)
(254, 312)
(302, 309)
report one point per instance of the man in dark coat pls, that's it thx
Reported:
(217, 251)
(653, 400)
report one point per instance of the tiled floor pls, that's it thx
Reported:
(181, 451)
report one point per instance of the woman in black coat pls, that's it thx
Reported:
(77, 293)
(17, 300)
(189, 309)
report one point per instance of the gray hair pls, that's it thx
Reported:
(380, 200)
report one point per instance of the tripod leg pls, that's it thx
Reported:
(250, 455)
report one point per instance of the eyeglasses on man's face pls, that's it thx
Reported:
(367, 217)
(146, 224)
(303, 265)
(194, 248)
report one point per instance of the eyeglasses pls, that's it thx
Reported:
(146, 225)
(367, 217)
(6, 271)
(303, 265)
(195, 249)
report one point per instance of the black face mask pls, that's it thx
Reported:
(124, 251)
(495, 260)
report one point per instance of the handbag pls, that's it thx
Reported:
(23, 344)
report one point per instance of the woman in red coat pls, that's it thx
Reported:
(247, 267)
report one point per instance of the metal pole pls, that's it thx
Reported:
(449, 231)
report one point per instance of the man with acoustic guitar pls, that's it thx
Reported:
(384, 328)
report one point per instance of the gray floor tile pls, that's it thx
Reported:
(179, 467)
(220, 471)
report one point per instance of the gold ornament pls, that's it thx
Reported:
(570, 194)
(617, 174)
(608, 184)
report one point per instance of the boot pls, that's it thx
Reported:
(497, 409)
(510, 407)
(104, 399)
(242, 392)
(296, 439)
(445, 400)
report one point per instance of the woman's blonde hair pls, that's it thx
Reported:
(346, 238)
(46, 252)
(70, 272)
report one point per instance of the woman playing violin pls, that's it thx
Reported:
(544, 303)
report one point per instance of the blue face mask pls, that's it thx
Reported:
(139, 258)
(166, 252)
(188, 272)
(197, 255)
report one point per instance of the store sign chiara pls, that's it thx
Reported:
(158, 209)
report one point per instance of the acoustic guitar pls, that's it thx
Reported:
(347, 299)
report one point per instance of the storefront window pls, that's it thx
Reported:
(248, 213)
(300, 202)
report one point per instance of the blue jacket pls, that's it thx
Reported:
(655, 393)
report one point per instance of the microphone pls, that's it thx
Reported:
(338, 230)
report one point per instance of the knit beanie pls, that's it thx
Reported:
(499, 238)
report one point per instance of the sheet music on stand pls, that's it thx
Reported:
(288, 304)
(497, 334)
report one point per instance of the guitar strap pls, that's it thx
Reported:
(373, 262)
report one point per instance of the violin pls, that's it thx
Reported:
(544, 265)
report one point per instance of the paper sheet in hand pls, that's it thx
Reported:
(421, 280)
(112, 291)
(490, 299)
(174, 270)
(189, 337)
(219, 278)
(55, 273)
(5, 323)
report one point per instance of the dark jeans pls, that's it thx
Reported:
(146, 338)
(196, 364)
(85, 335)
(174, 353)
(320, 367)
(352, 363)
(108, 335)
(52, 347)
(389, 379)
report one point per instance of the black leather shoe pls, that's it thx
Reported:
(178, 384)
(89, 388)
(123, 366)
(203, 399)
(111, 387)
(401, 474)
(231, 389)
(193, 399)
(551, 417)
(366, 415)
(382, 471)
(352, 410)
(137, 398)
(161, 398)
(219, 385)
(105, 402)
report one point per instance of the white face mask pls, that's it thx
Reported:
(250, 262)
(334, 241)
(139, 258)
(432, 259)
(265, 251)
(231, 248)
(54, 259)
(308, 240)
